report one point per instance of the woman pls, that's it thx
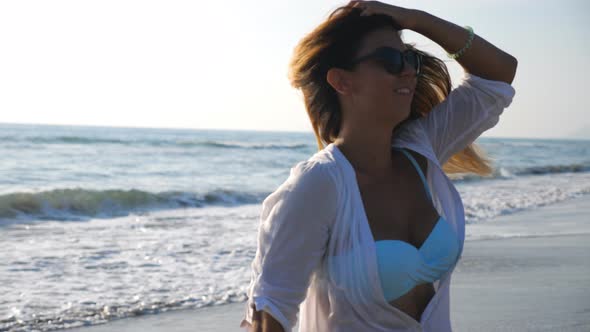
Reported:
(365, 234)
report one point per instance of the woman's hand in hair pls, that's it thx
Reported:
(405, 17)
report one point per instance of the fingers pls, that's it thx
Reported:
(354, 3)
(359, 4)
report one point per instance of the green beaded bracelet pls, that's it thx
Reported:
(467, 45)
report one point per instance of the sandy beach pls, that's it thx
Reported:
(533, 283)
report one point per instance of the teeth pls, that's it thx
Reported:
(403, 91)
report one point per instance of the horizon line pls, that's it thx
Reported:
(245, 130)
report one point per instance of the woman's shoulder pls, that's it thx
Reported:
(312, 179)
(314, 172)
(310, 186)
(413, 137)
(421, 160)
(320, 164)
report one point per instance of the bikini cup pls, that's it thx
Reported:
(402, 266)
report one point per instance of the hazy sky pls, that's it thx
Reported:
(223, 64)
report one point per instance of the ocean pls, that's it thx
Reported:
(101, 223)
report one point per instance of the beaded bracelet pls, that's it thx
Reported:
(467, 45)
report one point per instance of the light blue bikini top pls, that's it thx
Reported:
(403, 266)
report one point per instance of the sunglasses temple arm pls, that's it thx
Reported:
(354, 62)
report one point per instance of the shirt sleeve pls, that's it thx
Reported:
(293, 233)
(470, 109)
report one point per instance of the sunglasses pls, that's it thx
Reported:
(393, 59)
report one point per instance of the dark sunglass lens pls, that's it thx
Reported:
(413, 59)
(392, 61)
(393, 68)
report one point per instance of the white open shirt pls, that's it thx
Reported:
(308, 226)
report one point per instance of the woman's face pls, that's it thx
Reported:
(375, 88)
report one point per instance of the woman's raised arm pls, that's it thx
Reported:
(482, 58)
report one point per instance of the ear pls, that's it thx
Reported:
(340, 80)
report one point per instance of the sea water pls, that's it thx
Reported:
(99, 223)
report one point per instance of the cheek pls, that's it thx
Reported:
(383, 95)
(379, 90)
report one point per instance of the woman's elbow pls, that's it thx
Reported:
(512, 72)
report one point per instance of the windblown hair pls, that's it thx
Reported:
(334, 44)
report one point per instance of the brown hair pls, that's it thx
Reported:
(333, 44)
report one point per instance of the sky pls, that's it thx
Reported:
(224, 64)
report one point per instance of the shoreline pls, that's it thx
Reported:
(531, 283)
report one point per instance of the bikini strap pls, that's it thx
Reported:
(418, 169)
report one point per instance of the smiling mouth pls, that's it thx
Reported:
(404, 91)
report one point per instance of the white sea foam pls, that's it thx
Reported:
(488, 199)
(88, 272)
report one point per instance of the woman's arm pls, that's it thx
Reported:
(293, 235)
(481, 59)
(264, 322)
